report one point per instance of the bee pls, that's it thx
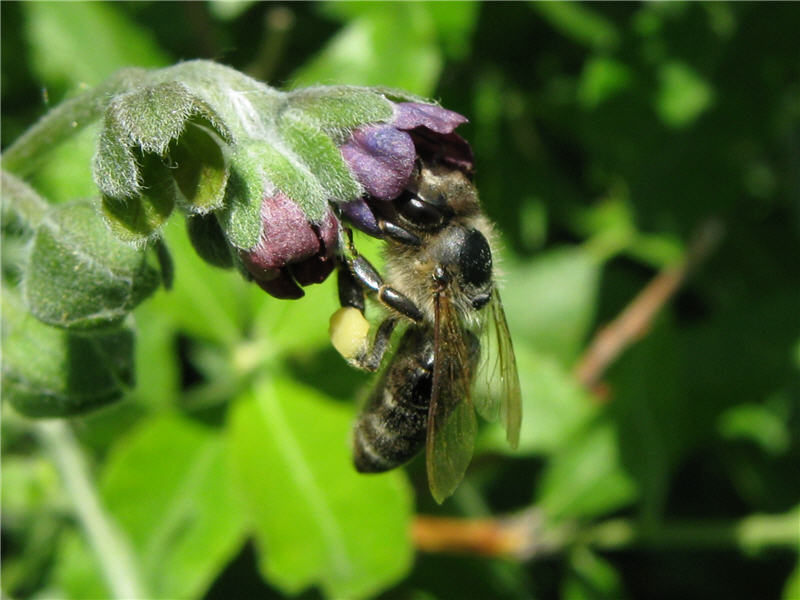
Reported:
(439, 280)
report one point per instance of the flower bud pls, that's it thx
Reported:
(291, 251)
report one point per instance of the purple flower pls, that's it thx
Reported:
(382, 156)
(291, 251)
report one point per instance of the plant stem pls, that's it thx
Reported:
(749, 534)
(62, 122)
(109, 544)
(527, 535)
(22, 199)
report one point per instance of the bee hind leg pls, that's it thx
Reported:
(349, 330)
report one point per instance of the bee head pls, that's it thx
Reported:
(465, 260)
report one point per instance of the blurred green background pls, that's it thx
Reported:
(605, 136)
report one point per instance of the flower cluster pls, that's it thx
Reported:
(293, 252)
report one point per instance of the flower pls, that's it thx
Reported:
(291, 251)
(382, 156)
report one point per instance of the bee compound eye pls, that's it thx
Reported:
(475, 259)
(420, 213)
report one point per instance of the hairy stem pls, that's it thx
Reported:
(64, 121)
(22, 200)
(110, 546)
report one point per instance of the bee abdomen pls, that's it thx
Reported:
(393, 426)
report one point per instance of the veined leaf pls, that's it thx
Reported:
(315, 519)
(586, 478)
(184, 523)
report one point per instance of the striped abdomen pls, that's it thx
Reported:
(393, 424)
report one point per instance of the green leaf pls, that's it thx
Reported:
(76, 572)
(323, 158)
(63, 176)
(152, 117)
(338, 109)
(30, 485)
(580, 23)
(315, 519)
(158, 364)
(146, 121)
(552, 302)
(591, 577)
(140, 218)
(555, 407)
(205, 303)
(386, 44)
(650, 407)
(763, 425)
(200, 168)
(455, 23)
(59, 34)
(166, 484)
(50, 372)
(602, 79)
(683, 95)
(791, 589)
(286, 172)
(586, 478)
(240, 215)
(114, 168)
(80, 275)
(208, 240)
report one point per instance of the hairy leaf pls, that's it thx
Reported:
(208, 240)
(200, 168)
(80, 275)
(50, 372)
(139, 219)
(338, 109)
(316, 149)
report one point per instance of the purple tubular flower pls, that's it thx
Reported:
(382, 156)
(291, 250)
(410, 115)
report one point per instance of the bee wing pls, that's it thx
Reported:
(451, 417)
(499, 395)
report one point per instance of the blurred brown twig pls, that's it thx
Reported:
(634, 321)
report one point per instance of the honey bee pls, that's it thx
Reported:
(439, 279)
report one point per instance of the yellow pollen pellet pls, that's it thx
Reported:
(349, 332)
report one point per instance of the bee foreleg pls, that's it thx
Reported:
(351, 293)
(397, 233)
